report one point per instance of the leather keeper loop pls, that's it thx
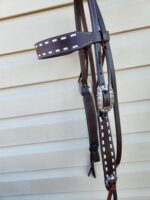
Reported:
(105, 36)
(95, 153)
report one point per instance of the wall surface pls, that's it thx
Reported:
(43, 135)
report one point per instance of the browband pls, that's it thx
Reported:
(103, 97)
(67, 43)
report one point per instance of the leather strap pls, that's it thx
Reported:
(66, 44)
(88, 99)
(92, 127)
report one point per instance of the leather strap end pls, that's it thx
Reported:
(66, 44)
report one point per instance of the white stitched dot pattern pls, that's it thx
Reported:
(73, 35)
(54, 40)
(63, 38)
(46, 42)
(75, 46)
(57, 50)
(65, 48)
(106, 167)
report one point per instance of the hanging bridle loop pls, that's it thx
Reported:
(100, 97)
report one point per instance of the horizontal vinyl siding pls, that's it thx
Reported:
(43, 133)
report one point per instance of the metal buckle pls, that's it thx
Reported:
(102, 105)
(111, 179)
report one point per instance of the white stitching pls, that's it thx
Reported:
(73, 35)
(39, 55)
(46, 42)
(50, 52)
(40, 45)
(57, 50)
(54, 40)
(65, 48)
(44, 54)
(63, 38)
(75, 46)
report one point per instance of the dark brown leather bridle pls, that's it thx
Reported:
(103, 97)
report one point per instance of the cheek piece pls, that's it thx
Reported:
(101, 97)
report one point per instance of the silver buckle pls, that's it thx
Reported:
(100, 98)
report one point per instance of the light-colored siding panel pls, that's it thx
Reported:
(66, 125)
(24, 68)
(111, 10)
(125, 15)
(17, 7)
(71, 180)
(135, 194)
(66, 154)
(60, 95)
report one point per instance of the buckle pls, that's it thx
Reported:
(111, 180)
(105, 99)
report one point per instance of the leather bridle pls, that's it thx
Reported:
(103, 97)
